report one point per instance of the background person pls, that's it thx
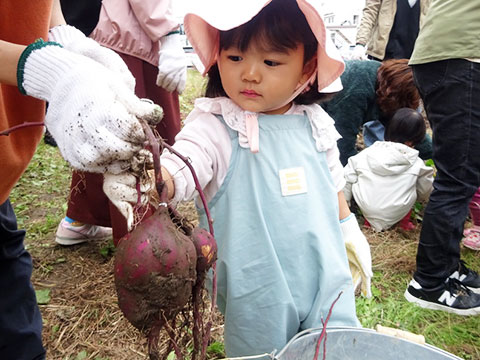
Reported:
(372, 92)
(446, 68)
(472, 235)
(145, 35)
(388, 28)
(387, 178)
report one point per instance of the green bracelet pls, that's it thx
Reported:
(173, 32)
(37, 44)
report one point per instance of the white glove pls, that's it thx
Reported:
(74, 40)
(359, 52)
(358, 252)
(122, 191)
(172, 64)
(92, 114)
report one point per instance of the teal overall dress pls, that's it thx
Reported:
(281, 257)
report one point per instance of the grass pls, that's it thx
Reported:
(81, 317)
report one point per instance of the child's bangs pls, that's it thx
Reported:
(279, 27)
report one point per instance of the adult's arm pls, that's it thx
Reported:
(368, 21)
(9, 55)
(10, 52)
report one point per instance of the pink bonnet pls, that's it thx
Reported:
(205, 19)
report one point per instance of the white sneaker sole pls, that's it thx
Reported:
(433, 306)
(69, 241)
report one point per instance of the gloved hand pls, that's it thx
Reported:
(172, 64)
(121, 189)
(74, 40)
(359, 52)
(358, 252)
(92, 114)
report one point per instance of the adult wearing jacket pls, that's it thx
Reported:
(388, 28)
(372, 92)
(446, 68)
(145, 35)
(84, 95)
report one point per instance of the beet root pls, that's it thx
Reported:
(154, 271)
(206, 248)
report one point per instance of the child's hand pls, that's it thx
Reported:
(358, 252)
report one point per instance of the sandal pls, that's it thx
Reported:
(471, 238)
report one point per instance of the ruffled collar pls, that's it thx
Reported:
(323, 127)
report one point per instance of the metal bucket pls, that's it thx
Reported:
(345, 343)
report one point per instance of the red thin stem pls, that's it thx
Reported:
(324, 330)
(155, 149)
(21, 126)
(197, 185)
(209, 323)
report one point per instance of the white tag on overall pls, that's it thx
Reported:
(293, 181)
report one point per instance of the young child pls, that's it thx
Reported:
(387, 178)
(266, 157)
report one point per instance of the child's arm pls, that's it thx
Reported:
(205, 142)
(424, 182)
(344, 209)
(351, 178)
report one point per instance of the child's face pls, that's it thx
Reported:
(258, 80)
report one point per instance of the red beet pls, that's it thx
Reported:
(160, 269)
(206, 247)
(154, 270)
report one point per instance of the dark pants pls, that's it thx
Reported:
(20, 319)
(450, 90)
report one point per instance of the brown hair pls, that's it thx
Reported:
(395, 87)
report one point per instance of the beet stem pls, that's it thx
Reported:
(210, 227)
(155, 149)
(323, 334)
(21, 126)
(197, 185)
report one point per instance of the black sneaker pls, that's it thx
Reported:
(48, 139)
(452, 297)
(467, 277)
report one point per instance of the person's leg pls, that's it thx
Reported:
(449, 90)
(88, 215)
(474, 207)
(472, 234)
(20, 319)
(406, 223)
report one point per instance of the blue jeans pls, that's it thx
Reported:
(20, 319)
(450, 90)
